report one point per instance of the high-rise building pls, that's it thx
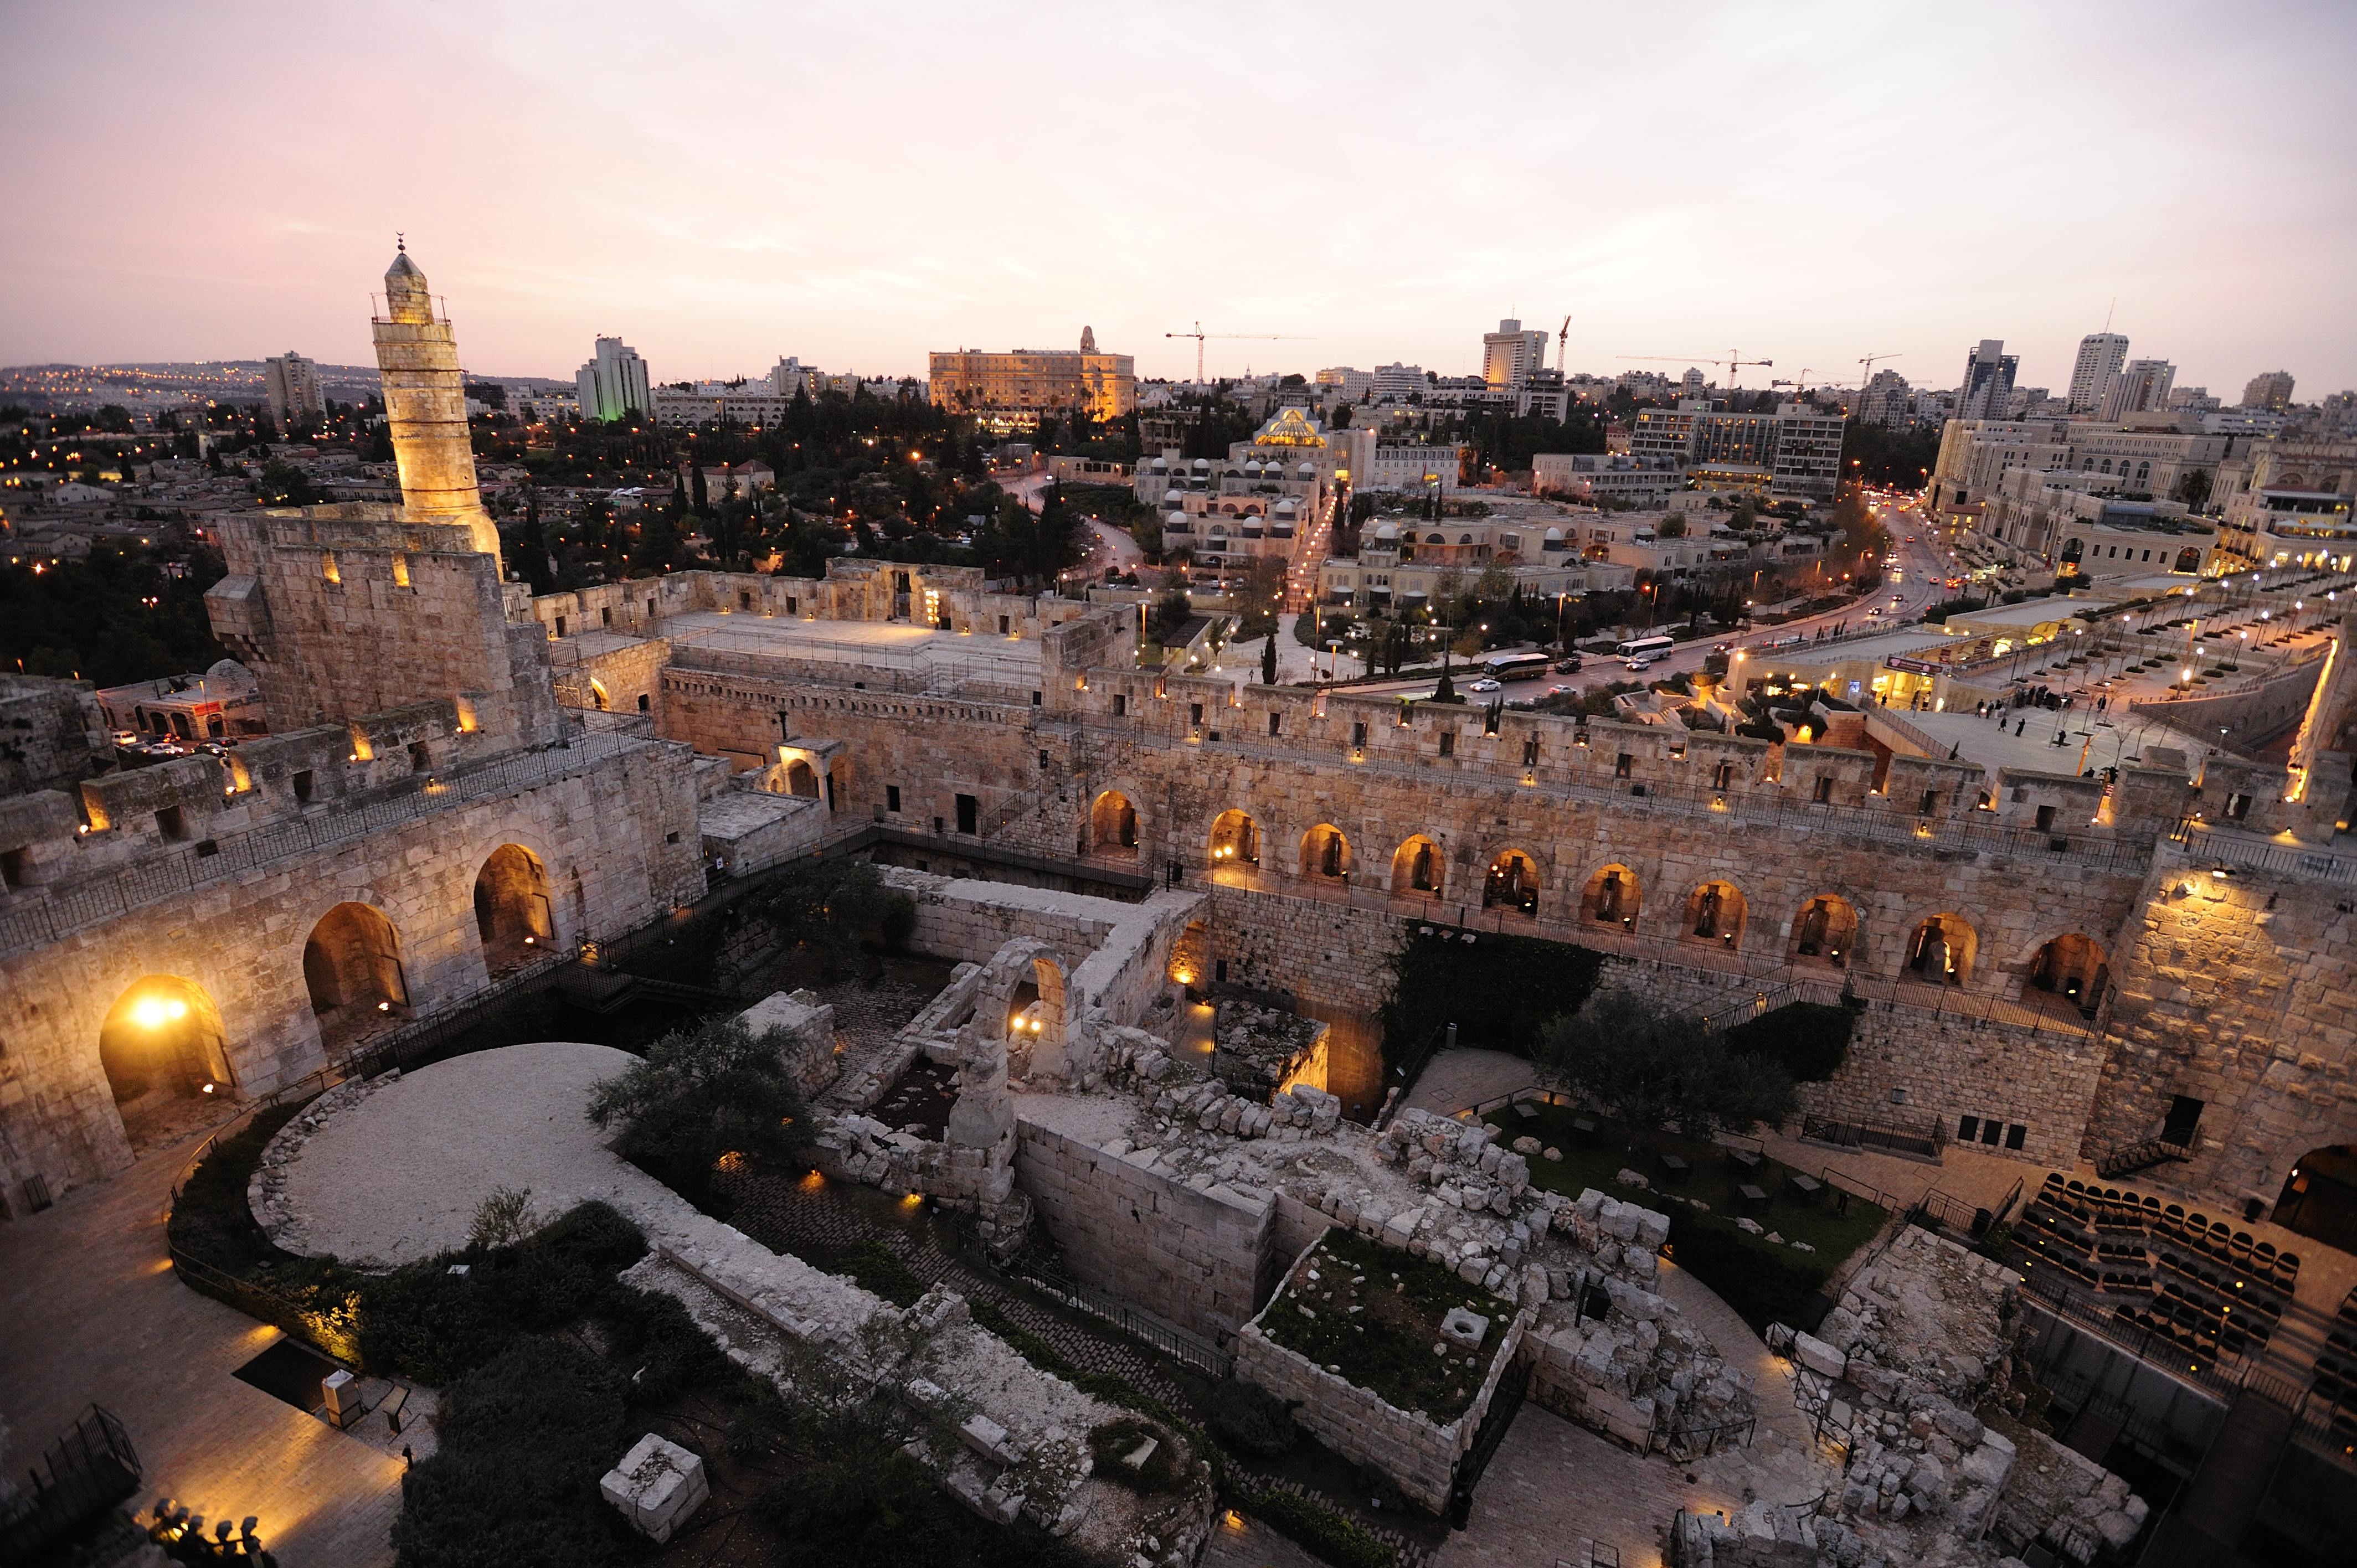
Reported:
(1987, 386)
(425, 408)
(1691, 384)
(2268, 389)
(2101, 354)
(1355, 385)
(2141, 387)
(1795, 451)
(614, 382)
(1510, 355)
(1017, 388)
(291, 383)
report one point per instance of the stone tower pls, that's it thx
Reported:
(425, 402)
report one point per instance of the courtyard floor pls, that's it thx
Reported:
(93, 1313)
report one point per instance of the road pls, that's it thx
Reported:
(1923, 563)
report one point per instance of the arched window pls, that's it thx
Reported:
(1512, 883)
(1826, 932)
(1611, 897)
(1235, 840)
(511, 910)
(1113, 823)
(351, 967)
(1417, 869)
(1940, 952)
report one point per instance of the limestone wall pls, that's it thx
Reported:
(2239, 991)
(617, 843)
(1416, 1454)
(1190, 1253)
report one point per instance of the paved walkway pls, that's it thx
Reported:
(1248, 1544)
(1455, 1079)
(93, 1313)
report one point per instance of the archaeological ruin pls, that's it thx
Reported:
(1155, 889)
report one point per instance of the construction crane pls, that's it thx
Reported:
(1800, 388)
(1735, 362)
(1562, 341)
(1200, 335)
(1866, 371)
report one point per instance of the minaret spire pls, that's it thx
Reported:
(425, 404)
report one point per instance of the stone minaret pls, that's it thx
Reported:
(425, 402)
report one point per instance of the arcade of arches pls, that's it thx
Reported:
(351, 966)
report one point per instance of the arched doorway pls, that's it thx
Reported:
(1325, 853)
(1825, 932)
(1417, 871)
(511, 911)
(1940, 951)
(1235, 841)
(1112, 825)
(802, 780)
(598, 696)
(2319, 1196)
(1715, 915)
(2071, 966)
(1611, 897)
(351, 966)
(163, 1053)
(1512, 883)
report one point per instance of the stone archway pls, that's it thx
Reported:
(802, 779)
(1826, 931)
(163, 1052)
(1325, 854)
(513, 915)
(351, 967)
(1611, 896)
(1512, 883)
(1941, 950)
(1235, 840)
(2319, 1196)
(1714, 912)
(2072, 967)
(1022, 1002)
(1417, 870)
(1112, 825)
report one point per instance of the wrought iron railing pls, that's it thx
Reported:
(89, 1469)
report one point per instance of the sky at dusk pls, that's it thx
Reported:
(857, 184)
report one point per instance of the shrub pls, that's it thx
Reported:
(1646, 1063)
(1763, 1286)
(834, 905)
(1809, 1039)
(524, 1439)
(1341, 1541)
(1245, 1416)
(704, 1099)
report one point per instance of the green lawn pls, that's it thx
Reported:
(1763, 1280)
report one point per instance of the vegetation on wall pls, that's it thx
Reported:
(1499, 991)
(1810, 1041)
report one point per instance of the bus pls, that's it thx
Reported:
(1647, 647)
(1517, 667)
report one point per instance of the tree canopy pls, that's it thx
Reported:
(1648, 1065)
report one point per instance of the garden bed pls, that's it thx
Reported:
(1371, 1316)
(1765, 1282)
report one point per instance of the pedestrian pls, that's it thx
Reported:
(408, 1459)
(2020, 725)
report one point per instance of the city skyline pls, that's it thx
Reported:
(604, 179)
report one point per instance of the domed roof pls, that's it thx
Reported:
(1287, 507)
(1159, 463)
(1308, 470)
(1203, 465)
(1251, 465)
(1170, 496)
(1176, 519)
(1387, 532)
(230, 672)
(1553, 533)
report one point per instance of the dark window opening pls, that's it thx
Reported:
(1531, 752)
(2238, 807)
(605, 615)
(1449, 743)
(1359, 736)
(1723, 776)
(15, 868)
(1275, 722)
(560, 626)
(1824, 791)
(171, 824)
(1967, 1128)
(1991, 1130)
(1002, 626)
(2016, 1135)
(744, 601)
(891, 797)
(1622, 764)
(1195, 714)
(645, 702)
(1120, 704)
(969, 814)
(420, 758)
(302, 787)
(2045, 819)
(671, 837)
(1929, 804)
(2184, 1115)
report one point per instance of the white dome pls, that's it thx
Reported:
(1554, 534)
(1159, 463)
(1176, 519)
(1308, 470)
(1202, 465)
(1386, 533)
(1171, 498)
(1286, 507)
(1251, 467)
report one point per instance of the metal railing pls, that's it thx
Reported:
(1173, 1342)
(2306, 861)
(90, 1467)
(47, 914)
(1749, 807)
(1925, 1140)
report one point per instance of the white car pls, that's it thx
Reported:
(1643, 662)
(1487, 684)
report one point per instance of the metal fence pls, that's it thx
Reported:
(1926, 1139)
(89, 1469)
(1173, 1342)
(2264, 855)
